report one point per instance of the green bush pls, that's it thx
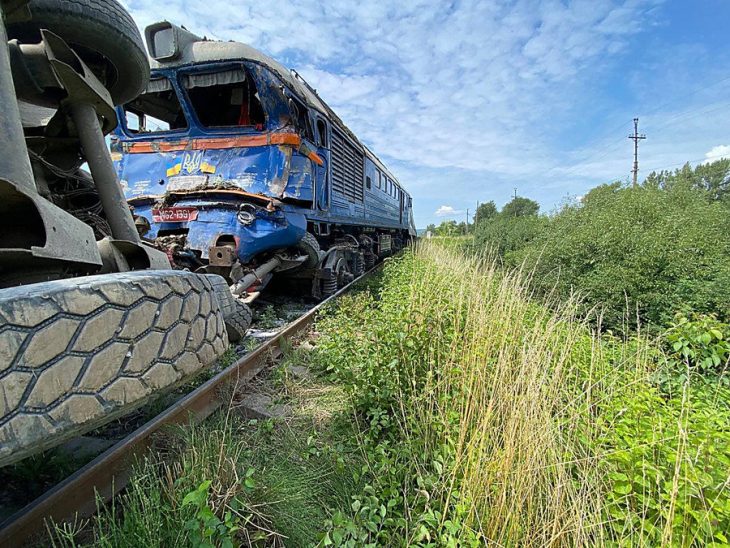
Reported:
(504, 235)
(637, 252)
(700, 341)
(667, 462)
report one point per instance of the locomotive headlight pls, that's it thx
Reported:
(246, 214)
(166, 41)
(161, 41)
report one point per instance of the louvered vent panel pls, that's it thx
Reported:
(347, 168)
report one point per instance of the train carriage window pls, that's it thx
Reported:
(368, 182)
(157, 109)
(380, 180)
(226, 98)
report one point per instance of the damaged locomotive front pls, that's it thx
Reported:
(234, 165)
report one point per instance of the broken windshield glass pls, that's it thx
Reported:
(157, 109)
(226, 98)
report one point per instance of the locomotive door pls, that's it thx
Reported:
(322, 173)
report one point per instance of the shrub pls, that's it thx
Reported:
(667, 462)
(641, 253)
(503, 235)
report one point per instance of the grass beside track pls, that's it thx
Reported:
(447, 408)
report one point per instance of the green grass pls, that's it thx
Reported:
(449, 409)
(487, 417)
(280, 479)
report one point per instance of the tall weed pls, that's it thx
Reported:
(486, 417)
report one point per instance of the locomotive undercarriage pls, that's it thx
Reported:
(346, 255)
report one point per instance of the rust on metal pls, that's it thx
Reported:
(222, 255)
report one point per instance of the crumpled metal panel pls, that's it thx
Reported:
(301, 175)
(270, 229)
(263, 170)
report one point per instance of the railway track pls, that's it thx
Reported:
(77, 496)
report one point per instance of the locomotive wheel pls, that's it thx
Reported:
(344, 274)
(76, 353)
(101, 32)
(340, 274)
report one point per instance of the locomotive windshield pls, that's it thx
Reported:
(157, 109)
(225, 98)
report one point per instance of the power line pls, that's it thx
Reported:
(636, 138)
(695, 161)
(671, 119)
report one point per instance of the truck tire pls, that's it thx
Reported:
(238, 323)
(236, 315)
(77, 353)
(101, 32)
(310, 247)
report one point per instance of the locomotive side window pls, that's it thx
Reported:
(300, 114)
(380, 179)
(368, 182)
(322, 134)
(157, 109)
(226, 98)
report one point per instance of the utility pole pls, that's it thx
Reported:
(466, 230)
(515, 199)
(636, 138)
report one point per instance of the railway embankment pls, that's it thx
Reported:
(441, 404)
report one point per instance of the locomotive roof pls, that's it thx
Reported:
(205, 51)
(196, 50)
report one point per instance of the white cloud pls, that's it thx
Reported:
(447, 211)
(434, 84)
(466, 100)
(717, 153)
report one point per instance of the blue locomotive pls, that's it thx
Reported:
(234, 165)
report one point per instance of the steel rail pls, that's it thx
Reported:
(77, 497)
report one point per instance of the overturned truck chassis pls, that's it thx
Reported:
(40, 169)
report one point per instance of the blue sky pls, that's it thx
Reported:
(466, 101)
